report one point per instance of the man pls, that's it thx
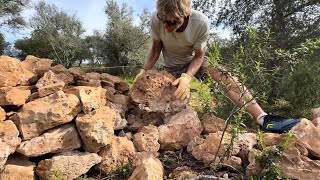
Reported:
(181, 33)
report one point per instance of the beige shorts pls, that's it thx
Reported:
(177, 71)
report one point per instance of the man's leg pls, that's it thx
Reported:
(240, 95)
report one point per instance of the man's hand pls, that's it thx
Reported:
(142, 71)
(183, 90)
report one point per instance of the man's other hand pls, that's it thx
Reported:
(183, 90)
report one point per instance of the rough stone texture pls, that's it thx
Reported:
(58, 69)
(4, 154)
(196, 141)
(116, 154)
(254, 168)
(66, 77)
(76, 72)
(18, 167)
(2, 114)
(112, 81)
(71, 165)
(179, 130)
(59, 139)
(91, 97)
(136, 122)
(183, 172)
(309, 136)
(13, 73)
(50, 89)
(212, 124)
(153, 92)
(119, 120)
(315, 113)
(48, 78)
(246, 143)
(36, 65)
(96, 128)
(151, 168)
(271, 139)
(234, 162)
(9, 134)
(13, 96)
(295, 165)
(91, 76)
(45, 113)
(147, 139)
(207, 151)
(316, 122)
(122, 100)
(91, 83)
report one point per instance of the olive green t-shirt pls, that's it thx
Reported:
(178, 47)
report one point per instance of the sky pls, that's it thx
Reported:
(90, 13)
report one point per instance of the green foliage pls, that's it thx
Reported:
(56, 35)
(57, 175)
(125, 44)
(84, 177)
(267, 157)
(10, 13)
(3, 44)
(121, 172)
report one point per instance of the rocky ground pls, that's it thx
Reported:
(58, 123)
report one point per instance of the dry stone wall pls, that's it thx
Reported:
(62, 121)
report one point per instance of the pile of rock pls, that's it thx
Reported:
(74, 121)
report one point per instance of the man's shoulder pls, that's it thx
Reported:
(198, 16)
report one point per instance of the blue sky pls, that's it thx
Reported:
(90, 12)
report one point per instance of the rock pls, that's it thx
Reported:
(50, 89)
(117, 154)
(295, 165)
(254, 168)
(233, 162)
(153, 92)
(66, 77)
(59, 139)
(48, 78)
(9, 134)
(91, 97)
(315, 113)
(96, 128)
(181, 173)
(8, 96)
(4, 154)
(91, 76)
(122, 100)
(179, 130)
(151, 168)
(76, 72)
(13, 73)
(316, 122)
(309, 136)
(91, 82)
(212, 124)
(194, 143)
(18, 167)
(2, 114)
(207, 151)
(271, 139)
(246, 143)
(37, 65)
(147, 139)
(119, 119)
(70, 165)
(45, 113)
(59, 68)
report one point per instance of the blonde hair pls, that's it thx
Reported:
(174, 8)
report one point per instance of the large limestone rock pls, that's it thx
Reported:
(295, 165)
(119, 85)
(147, 139)
(70, 165)
(96, 128)
(13, 96)
(60, 139)
(18, 167)
(91, 97)
(45, 113)
(151, 168)
(49, 84)
(13, 73)
(309, 136)
(117, 154)
(209, 148)
(2, 114)
(9, 135)
(179, 130)
(4, 154)
(37, 65)
(212, 124)
(153, 92)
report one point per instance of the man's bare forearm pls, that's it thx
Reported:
(153, 55)
(196, 62)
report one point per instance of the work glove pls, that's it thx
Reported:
(142, 71)
(183, 90)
